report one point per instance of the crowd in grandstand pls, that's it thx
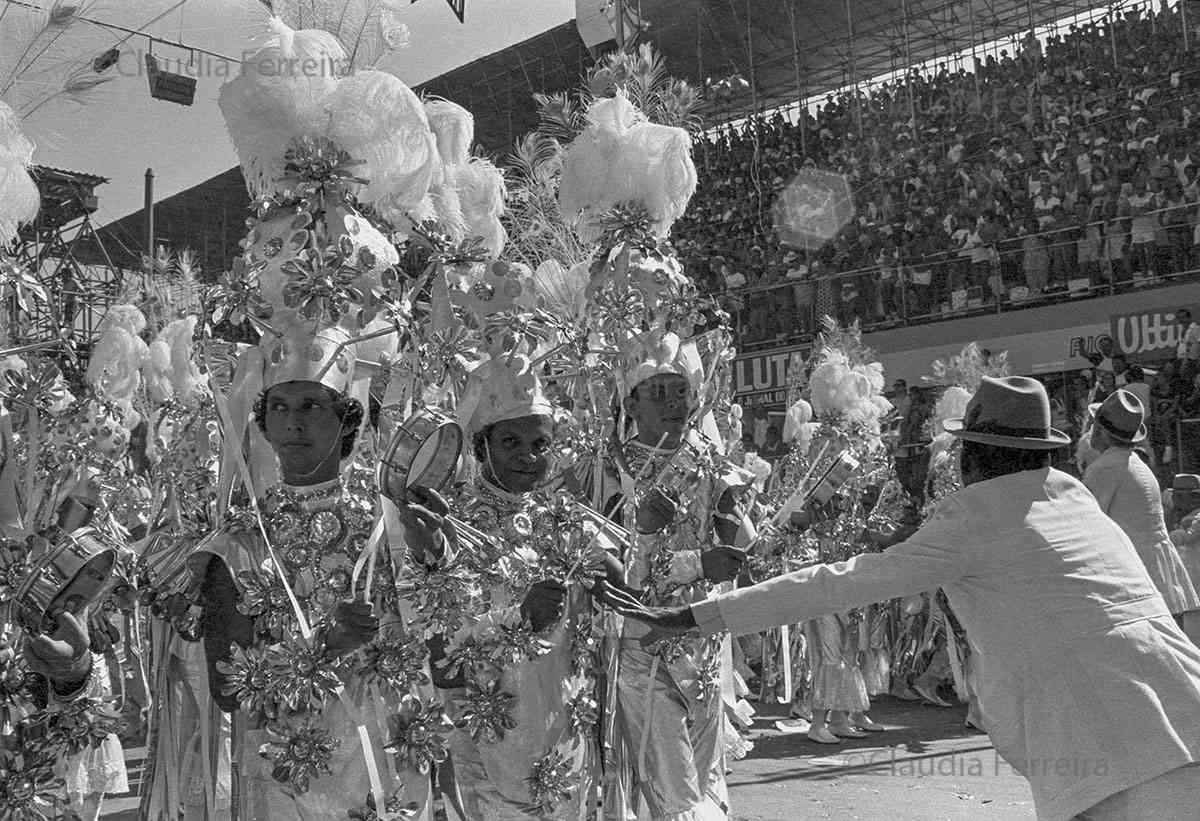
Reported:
(1063, 167)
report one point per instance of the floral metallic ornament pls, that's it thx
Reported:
(236, 296)
(397, 663)
(486, 712)
(299, 754)
(308, 677)
(417, 734)
(551, 782)
(249, 678)
(29, 788)
(69, 728)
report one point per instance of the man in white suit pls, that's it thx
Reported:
(1087, 686)
(1127, 491)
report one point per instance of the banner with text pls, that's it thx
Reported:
(1150, 334)
(761, 378)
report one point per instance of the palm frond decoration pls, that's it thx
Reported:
(533, 220)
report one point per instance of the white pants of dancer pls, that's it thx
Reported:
(1172, 796)
(683, 778)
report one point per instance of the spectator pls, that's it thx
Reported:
(1135, 383)
(1109, 136)
(1187, 352)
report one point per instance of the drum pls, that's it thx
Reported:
(424, 451)
(839, 471)
(73, 573)
(680, 473)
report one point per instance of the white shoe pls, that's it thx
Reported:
(792, 726)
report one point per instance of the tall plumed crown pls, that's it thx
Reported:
(304, 353)
(501, 389)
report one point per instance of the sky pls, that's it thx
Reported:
(121, 130)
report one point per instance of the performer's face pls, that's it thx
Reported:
(517, 452)
(661, 406)
(304, 430)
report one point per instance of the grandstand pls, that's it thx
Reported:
(1005, 158)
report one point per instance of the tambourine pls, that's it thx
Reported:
(834, 477)
(424, 451)
(72, 574)
(681, 472)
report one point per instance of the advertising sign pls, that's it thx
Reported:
(1150, 334)
(761, 378)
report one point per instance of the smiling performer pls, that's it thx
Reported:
(670, 710)
(515, 653)
(1098, 713)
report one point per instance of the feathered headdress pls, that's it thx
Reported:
(622, 159)
(19, 199)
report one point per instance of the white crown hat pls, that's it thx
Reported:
(307, 353)
(662, 352)
(501, 389)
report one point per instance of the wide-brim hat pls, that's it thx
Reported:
(1121, 416)
(1009, 412)
(1186, 482)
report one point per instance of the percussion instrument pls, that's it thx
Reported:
(73, 573)
(424, 451)
(681, 472)
(834, 477)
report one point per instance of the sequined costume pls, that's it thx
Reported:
(670, 713)
(523, 702)
(301, 756)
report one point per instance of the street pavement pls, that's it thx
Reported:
(925, 767)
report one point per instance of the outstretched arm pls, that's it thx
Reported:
(908, 568)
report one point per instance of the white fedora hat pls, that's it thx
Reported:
(1012, 412)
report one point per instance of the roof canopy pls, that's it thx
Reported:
(785, 48)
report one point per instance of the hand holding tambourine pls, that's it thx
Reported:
(424, 514)
(63, 657)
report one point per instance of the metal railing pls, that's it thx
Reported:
(889, 296)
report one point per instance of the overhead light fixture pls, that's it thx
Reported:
(106, 60)
(164, 85)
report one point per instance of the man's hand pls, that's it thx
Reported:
(655, 512)
(543, 604)
(63, 657)
(664, 622)
(722, 563)
(353, 626)
(423, 514)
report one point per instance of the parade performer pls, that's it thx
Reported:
(305, 637)
(1127, 491)
(1020, 547)
(61, 751)
(508, 565)
(929, 623)
(845, 406)
(681, 497)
